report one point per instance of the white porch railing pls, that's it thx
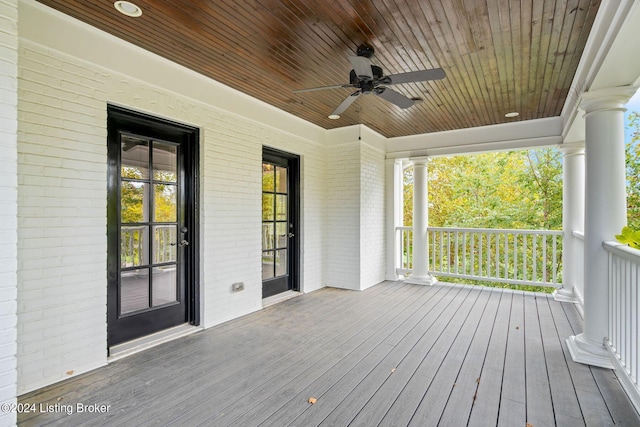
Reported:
(134, 245)
(521, 257)
(624, 302)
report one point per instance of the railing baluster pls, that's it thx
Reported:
(555, 261)
(472, 253)
(480, 242)
(544, 258)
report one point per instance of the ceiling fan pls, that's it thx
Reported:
(369, 78)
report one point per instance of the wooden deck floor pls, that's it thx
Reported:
(393, 355)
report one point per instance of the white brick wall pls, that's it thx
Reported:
(62, 199)
(62, 221)
(343, 216)
(372, 216)
(8, 204)
(355, 208)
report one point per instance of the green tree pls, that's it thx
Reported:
(633, 172)
(515, 189)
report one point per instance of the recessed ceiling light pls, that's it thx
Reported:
(512, 114)
(334, 116)
(128, 8)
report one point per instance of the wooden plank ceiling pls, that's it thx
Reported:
(499, 55)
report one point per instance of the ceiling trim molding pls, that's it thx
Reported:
(611, 16)
(508, 136)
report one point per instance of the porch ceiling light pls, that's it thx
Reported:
(128, 8)
(512, 114)
(334, 116)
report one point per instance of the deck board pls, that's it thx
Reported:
(395, 354)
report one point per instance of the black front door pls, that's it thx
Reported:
(152, 235)
(280, 237)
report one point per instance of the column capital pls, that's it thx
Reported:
(572, 148)
(419, 160)
(612, 98)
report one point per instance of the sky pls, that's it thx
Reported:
(632, 105)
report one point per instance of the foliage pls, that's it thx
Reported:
(516, 189)
(630, 237)
(528, 288)
(633, 172)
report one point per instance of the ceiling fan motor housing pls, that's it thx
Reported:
(376, 71)
(365, 50)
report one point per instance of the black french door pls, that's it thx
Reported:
(280, 231)
(152, 228)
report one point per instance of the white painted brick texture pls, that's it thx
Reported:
(61, 221)
(8, 205)
(343, 204)
(62, 207)
(372, 216)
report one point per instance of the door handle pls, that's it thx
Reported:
(183, 243)
(291, 235)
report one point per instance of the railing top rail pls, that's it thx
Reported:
(490, 230)
(623, 251)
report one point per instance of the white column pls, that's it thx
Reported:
(420, 274)
(393, 176)
(605, 214)
(572, 218)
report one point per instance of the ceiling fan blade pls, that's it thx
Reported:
(394, 97)
(362, 67)
(416, 76)
(323, 88)
(346, 103)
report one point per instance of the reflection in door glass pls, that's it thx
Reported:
(164, 243)
(134, 246)
(164, 285)
(165, 202)
(165, 162)
(268, 177)
(267, 236)
(267, 207)
(135, 157)
(281, 180)
(134, 290)
(282, 235)
(134, 198)
(281, 262)
(281, 207)
(267, 265)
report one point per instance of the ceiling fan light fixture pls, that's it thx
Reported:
(334, 116)
(128, 8)
(512, 114)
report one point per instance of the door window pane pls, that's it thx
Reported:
(134, 246)
(281, 180)
(164, 285)
(267, 265)
(267, 236)
(267, 207)
(165, 206)
(281, 207)
(164, 243)
(135, 157)
(268, 177)
(281, 234)
(134, 290)
(281, 262)
(133, 201)
(165, 157)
